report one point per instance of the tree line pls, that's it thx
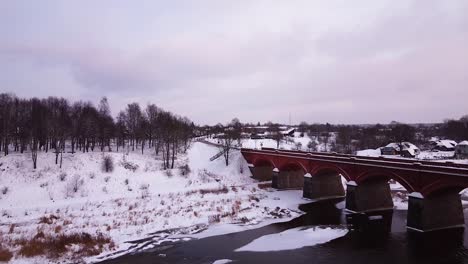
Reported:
(51, 123)
(348, 138)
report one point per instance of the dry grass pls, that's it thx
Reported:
(48, 220)
(264, 185)
(215, 191)
(56, 246)
(5, 255)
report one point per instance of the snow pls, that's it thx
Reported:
(369, 152)
(446, 143)
(222, 261)
(431, 155)
(375, 217)
(416, 195)
(352, 183)
(293, 239)
(288, 143)
(463, 143)
(411, 148)
(289, 199)
(150, 201)
(396, 186)
(400, 204)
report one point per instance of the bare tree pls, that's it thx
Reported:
(276, 134)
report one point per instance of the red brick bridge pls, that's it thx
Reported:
(433, 187)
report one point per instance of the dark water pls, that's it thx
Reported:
(382, 240)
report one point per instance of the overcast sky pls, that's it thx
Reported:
(337, 61)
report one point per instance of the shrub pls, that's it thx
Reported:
(48, 219)
(107, 178)
(298, 145)
(4, 190)
(207, 176)
(126, 181)
(224, 189)
(107, 164)
(144, 190)
(214, 218)
(62, 176)
(184, 170)
(168, 173)
(73, 186)
(55, 246)
(129, 165)
(264, 185)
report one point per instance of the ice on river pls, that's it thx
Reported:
(293, 239)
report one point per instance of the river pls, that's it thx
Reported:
(383, 239)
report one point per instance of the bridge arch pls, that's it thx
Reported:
(290, 174)
(260, 162)
(327, 169)
(325, 182)
(379, 174)
(262, 169)
(293, 166)
(440, 186)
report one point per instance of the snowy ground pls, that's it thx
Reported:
(137, 200)
(288, 143)
(440, 156)
(138, 205)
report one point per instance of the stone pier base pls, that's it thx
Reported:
(290, 179)
(440, 211)
(319, 187)
(369, 196)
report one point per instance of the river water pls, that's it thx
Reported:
(383, 239)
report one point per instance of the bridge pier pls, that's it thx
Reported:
(287, 179)
(323, 186)
(436, 212)
(369, 196)
(261, 173)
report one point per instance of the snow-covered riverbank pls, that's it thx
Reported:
(134, 201)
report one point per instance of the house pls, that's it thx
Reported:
(408, 149)
(257, 136)
(461, 150)
(288, 132)
(443, 145)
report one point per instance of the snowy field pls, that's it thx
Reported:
(138, 205)
(137, 200)
(439, 156)
(288, 143)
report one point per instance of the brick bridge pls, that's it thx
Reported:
(433, 187)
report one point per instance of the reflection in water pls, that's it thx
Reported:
(377, 237)
(446, 245)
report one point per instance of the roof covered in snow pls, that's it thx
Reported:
(446, 143)
(411, 148)
(463, 143)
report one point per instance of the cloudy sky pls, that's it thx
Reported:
(335, 61)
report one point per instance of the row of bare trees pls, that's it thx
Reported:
(48, 124)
